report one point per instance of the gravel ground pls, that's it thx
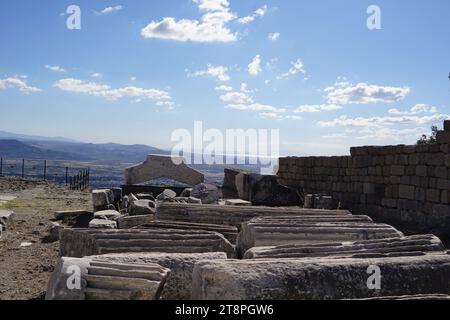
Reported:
(24, 271)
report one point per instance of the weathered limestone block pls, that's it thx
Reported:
(366, 248)
(179, 282)
(267, 191)
(207, 193)
(64, 215)
(244, 184)
(107, 214)
(145, 196)
(262, 232)
(102, 199)
(229, 183)
(142, 208)
(128, 222)
(167, 195)
(230, 215)
(87, 242)
(319, 201)
(229, 232)
(237, 202)
(443, 137)
(106, 280)
(319, 278)
(102, 224)
(157, 166)
(5, 217)
(54, 229)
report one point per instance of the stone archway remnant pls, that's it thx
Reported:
(160, 166)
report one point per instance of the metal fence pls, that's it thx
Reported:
(54, 171)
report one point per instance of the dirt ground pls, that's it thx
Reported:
(25, 270)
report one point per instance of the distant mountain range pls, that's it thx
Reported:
(58, 148)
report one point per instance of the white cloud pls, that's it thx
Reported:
(316, 108)
(391, 134)
(96, 75)
(224, 88)
(254, 68)
(255, 107)
(211, 28)
(105, 91)
(362, 93)
(133, 78)
(54, 68)
(236, 97)
(110, 10)
(19, 83)
(260, 12)
(335, 136)
(380, 122)
(274, 36)
(418, 108)
(220, 73)
(296, 68)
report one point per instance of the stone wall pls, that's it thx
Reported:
(407, 186)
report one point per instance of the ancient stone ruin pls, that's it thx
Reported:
(319, 230)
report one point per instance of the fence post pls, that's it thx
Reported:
(67, 174)
(1, 167)
(23, 168)
(45, 169)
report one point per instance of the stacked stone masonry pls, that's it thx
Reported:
(408, 186)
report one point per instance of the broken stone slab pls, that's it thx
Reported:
(167, 195)
(267, 191)
(319, 278)
(102, 224)
(107, 214)
(102, 199)
(319, 201)
(244, 184)
(145, 196)
(207, 193)
(5, 217)
(271, 232)
(186, 193)
(179, 282)
(229, 183)
(54, 229)
(128, 222)
(358, 249)
(159, 166)
(142, 207)
(69, 214)
(237, 202)
(101, 280)
(86, 242)
(230, 215)
(229, 232)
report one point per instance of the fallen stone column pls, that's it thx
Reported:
(229, 232)
(319, 278)
(179, 282)
(105, 280)
(86, 242)
(230, 215)
(262, 233)
(365, 248)
(128, 222)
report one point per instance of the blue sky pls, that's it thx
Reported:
(140, 69)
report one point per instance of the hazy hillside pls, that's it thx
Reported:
(23, 137)
(19, 149)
